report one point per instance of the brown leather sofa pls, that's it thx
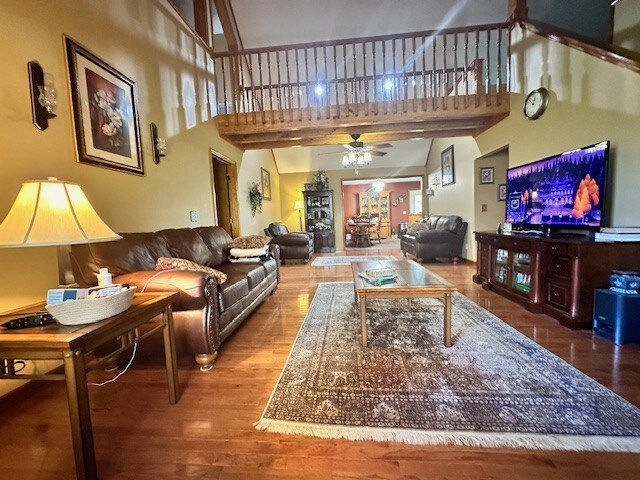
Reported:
(439, 236)
(205, 313)
(293, 245)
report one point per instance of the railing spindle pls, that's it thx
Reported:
(499, 84)
(455, 71)
(299, 92)
(270, 87)
(466, 69)
(356, 98)
(346, 84)
(224, 88)
(445, 91)
(326, 80)
(279, 92)
(307, 81)
(405, 86)
(289, 87)
(364, 77)
(478, 76)
(424, 70)
(375, 77)
(434, 85)
(263, 106)
(488, 67)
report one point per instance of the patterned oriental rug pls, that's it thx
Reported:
(493, 388)
(346, 260)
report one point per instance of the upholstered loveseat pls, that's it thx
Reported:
(205, 312)
(439, 236)
(293, 245)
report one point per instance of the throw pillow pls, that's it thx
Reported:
(166, 263)
(249, 241)
(416, 227)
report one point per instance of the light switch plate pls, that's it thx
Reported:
(193, 215)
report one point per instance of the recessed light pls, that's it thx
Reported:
(319, 89)
(388, 85)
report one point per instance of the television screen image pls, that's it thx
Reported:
(567, 190)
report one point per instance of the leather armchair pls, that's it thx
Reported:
(293, 245)
(439, 236)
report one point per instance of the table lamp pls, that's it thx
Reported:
(49, 213)
(299, 205)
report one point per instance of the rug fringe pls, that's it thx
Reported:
(463, 439)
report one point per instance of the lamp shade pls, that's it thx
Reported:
(51, 212)
(298, 205)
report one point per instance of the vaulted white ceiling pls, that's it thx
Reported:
(282, 22)
(307, 159)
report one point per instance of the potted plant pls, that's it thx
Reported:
(321, 180)
(255, 198)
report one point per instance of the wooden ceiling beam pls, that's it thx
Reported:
(375, 138)
(229, 25)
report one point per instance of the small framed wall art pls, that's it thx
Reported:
(486, 175)
(502, 192)
(105, 112)
(446, 163)
(266, 184)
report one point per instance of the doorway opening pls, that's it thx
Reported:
(224, 181)
(389, 203)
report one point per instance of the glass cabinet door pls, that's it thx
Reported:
(500, 265)
(521, 280)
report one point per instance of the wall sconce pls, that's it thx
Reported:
(430, 192)
(43, 97)
(158, 145)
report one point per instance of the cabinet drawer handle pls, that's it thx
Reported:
(558, 266)
(553, 248)
(556, 295)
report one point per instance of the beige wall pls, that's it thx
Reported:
(626, 31)
(456, 199)
(487, 194)
(292, 185)
(146, 42)
(591, 100)
(252, 162)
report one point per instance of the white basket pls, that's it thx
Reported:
(91, 310)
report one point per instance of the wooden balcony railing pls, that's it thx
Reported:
(393, 74)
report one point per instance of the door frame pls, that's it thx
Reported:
(232, 171)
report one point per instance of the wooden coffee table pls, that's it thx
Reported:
(414, 281)
(70, 344)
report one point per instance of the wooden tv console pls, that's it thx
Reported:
(556, 276)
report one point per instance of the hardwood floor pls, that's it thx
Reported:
(210, 434)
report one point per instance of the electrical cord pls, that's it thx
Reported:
(133, 356)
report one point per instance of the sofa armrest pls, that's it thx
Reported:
(195, 289)
(308, 234)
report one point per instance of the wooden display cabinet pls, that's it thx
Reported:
(319, 219)
(369, 204)
(556, 276)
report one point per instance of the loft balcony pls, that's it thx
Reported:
(450, 82)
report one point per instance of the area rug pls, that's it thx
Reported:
(347, 259)
(493, 388)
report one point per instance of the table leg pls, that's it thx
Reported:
(363, 318)
(80, 415)
(170, 356)
(447, 319)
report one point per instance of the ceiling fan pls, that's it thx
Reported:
(356, 146)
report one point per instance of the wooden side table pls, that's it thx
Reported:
(71, 343)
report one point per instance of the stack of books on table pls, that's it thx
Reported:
(618, 234)
(379, 276)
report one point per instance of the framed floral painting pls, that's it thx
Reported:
(105, 112)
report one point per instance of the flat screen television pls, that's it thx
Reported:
(565, 191)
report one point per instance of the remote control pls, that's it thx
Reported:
(35, 320)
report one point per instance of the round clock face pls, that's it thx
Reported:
(536, 103)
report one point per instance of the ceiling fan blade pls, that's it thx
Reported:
(381, 145)
(337, 152)
(376, 153)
